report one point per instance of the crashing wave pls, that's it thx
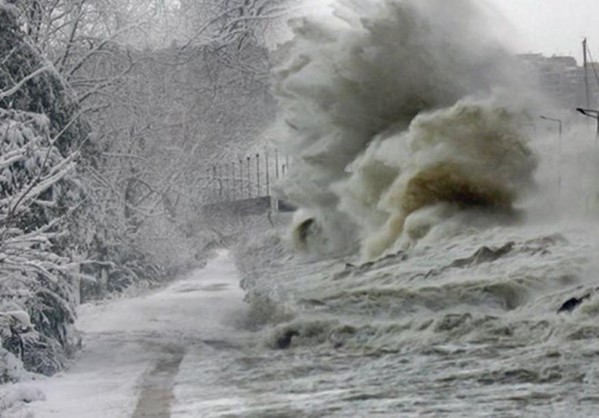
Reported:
(394, 106)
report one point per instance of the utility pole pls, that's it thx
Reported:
(586, 72)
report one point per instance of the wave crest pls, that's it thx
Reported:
(395, 106)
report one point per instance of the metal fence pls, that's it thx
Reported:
(248, 177)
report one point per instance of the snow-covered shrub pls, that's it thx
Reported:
(37, 196)
(11, 368)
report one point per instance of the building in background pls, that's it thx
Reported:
(563, 79)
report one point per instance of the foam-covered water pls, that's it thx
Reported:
(463, 325)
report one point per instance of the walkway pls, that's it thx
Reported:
(144, 353)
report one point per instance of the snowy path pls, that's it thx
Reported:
(151, 355)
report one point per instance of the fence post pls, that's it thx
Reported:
(267, 174)
(219, 178)
(225, 175)
(240, 178)
(233, 182)
(277, 163)
(214, 187)
(249, 179)
(258, 191)
(207, 187)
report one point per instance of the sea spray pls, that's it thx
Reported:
(471, 155)
(394, 106)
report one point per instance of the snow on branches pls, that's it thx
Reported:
(36, 196)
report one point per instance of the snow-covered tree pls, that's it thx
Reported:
(41, 198)
(38, 195)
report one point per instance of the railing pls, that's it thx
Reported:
(249, 177)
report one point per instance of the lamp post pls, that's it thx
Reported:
(591, 113)
(559, 150)
(559, 126)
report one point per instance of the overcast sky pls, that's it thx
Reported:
(547, 26)
(553, 26)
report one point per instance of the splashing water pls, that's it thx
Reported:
(392, 107)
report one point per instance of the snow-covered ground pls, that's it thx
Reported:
(150, 355)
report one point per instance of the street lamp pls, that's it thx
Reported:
(559, 151)
(559, 125)
(591, 113)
